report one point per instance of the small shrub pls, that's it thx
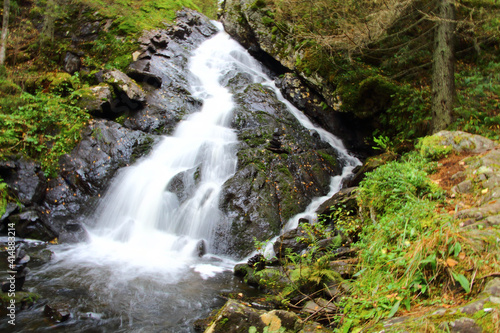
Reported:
(430, 147)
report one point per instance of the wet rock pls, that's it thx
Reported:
(344, 199)
(183, 184)
(270, 186)
(370, 164)
(201, 248)
(247, 274)
(71, 63)
(31, 224)
(25, 179)
(288, 242)
(85, 173)
(11, 208)
(245, 22)
(316, 108)
(58, 312)
(124, 84)
(236, 316)
(145, 77)
(17, 270)
(164, 73)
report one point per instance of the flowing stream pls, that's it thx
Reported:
(142, 271)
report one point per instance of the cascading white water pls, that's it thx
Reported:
(200, 156)
(140, 268)
(143, 210)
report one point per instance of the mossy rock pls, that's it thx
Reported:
(236, 317)
(23, 300)
(8, 88)
(443, 143)
(92, 98)
(60, 83)
(434, 147)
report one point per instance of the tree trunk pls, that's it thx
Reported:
(49, 20)
(443, 68)
(5, 30)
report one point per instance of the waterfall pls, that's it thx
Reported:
(175, 190)
(161, 212)
(141, 269)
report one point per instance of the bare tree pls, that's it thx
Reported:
(5, 30)
(49, 20)
(443, 67)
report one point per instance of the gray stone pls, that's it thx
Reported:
(473, 307)
(464, 325)
(25, 179)
(94, 97)
(237, 316)
(320, 305)
(465, 142)
(71, 63)
(58, 312)
(464, 187)
(125, 84)
(492, 288)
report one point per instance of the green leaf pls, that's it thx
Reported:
(394, 309)
(347, 326)
(462, 280)
(359, 273)
(407, 303)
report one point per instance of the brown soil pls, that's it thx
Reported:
(448, 167)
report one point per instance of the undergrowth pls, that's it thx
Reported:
(42, 126)
(413, 253)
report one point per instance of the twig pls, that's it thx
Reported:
(490, 275)
(316, 312)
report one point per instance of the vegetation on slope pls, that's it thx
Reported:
(378, 56)
(39, 114)
(414, 254)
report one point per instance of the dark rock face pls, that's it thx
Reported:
(25, 179)
(27, 183)
(71, 63)
(308, 100)
(85, 173)
(310, 92)
(162, 70)
(281, 167)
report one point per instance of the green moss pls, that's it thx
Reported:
(431, 147)
(3, 197)
(267, 21)
(327, 158)
(21, 298)
(258, 4)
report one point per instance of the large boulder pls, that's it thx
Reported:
(86, 173)
(252, 24)
(93, 98)
(124, 85)
(161, 68)
(25, 179)
(282, 166)
(237, 316)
